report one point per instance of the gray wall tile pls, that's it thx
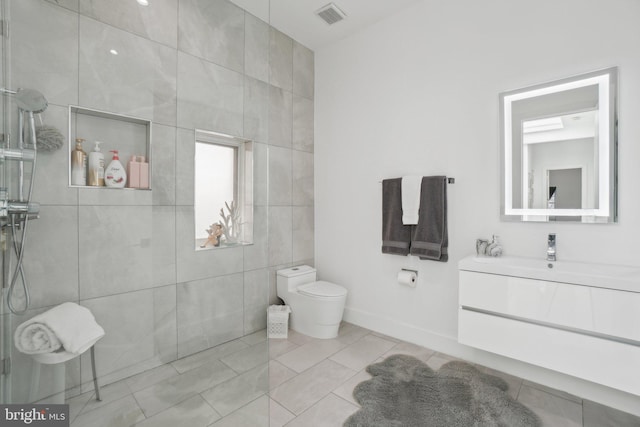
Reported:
(256, 110)
(303, 124)
(280, 178)
(280, 235)
(212, 30)
(140, 332)
(302, 178)
(44, 37)
(280, 117)
(157, 21)
(280, 60)
(210, 312)
(51, 264)
(256, 255)
(139, 81)
(256, 48)
(256, 299)
(210, 97)
(125, 248)
(185, 166)
(163, 166)
(303, 71)
(52, 172)
(303, 244)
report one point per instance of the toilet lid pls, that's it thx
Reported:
(322, 289)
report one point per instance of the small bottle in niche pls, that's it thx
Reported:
(144, 172)
(133, 172)
(96, 167)
(78, 164)
(115, 176)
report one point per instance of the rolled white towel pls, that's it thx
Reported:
(410, 192)
(67, 325)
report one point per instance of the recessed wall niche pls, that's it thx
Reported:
(130, 136)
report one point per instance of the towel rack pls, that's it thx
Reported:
(450, 180)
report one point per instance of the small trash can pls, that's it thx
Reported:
(278, 321)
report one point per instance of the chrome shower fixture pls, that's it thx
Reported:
(16, 213)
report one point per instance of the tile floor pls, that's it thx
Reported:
(310, 384)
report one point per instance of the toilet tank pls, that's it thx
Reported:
(291, 278)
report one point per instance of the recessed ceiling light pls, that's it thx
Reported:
(113, 52)
(143, 2)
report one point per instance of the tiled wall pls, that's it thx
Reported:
(129, 255)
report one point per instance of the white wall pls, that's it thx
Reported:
(417, 93)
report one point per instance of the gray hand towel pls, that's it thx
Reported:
(396, 236)
(429, 238)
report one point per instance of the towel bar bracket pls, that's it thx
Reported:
(5, 366)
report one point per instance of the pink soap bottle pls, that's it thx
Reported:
(144, 172)
(133, 171)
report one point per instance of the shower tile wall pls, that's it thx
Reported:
(129, 255)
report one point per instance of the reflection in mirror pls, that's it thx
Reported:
(559, 150)
(223, 190)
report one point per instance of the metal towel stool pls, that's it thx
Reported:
(54, 359)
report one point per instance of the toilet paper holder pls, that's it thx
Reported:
(408, 277)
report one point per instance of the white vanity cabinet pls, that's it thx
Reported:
(572, 326)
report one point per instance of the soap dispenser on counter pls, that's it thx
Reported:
(115, 176)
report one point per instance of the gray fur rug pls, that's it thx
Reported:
(405, 392)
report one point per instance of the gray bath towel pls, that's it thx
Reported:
(429, 238)
(396, 236)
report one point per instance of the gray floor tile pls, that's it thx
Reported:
(174, 390)
(150, 377)
(193, 412)
(310, 354)
(345, 390)
(248, 358)
(204, 357)
(362, 352)
(254, 414)
(278, 347)
(278, 416)
(123, 412)
(255, 337)
(331, 411)
(278, 373)
(597, 415)
(238, 391)
(306, 389)
(554, 411)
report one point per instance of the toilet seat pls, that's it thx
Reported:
(322, 289)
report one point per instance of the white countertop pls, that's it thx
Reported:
(619, 277)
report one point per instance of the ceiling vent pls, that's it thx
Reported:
(331, 14)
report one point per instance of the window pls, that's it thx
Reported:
(223, 190)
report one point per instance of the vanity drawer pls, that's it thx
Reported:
(603, 361)
(607, 312)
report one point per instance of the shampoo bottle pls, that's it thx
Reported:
(133, 172)
(96, 166)
(115, 175)
(78, 164)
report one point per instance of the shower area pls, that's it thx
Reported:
(184, 326)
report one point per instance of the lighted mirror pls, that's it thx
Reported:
(223, 191)
(559, 150)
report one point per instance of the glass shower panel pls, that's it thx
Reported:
(183, 328)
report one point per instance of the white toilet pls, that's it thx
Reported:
(316, 306)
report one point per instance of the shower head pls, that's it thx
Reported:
(31, 100)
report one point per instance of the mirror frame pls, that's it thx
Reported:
(607, 212)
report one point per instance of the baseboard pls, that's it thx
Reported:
(449, 345)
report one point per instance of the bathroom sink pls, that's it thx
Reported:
(621, 277)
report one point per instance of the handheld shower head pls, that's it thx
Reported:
(31, 100)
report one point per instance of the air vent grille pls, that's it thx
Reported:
(331, 14)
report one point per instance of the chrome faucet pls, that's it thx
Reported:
(551, 247)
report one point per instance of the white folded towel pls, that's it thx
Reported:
(411, 199)
(67, 326)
